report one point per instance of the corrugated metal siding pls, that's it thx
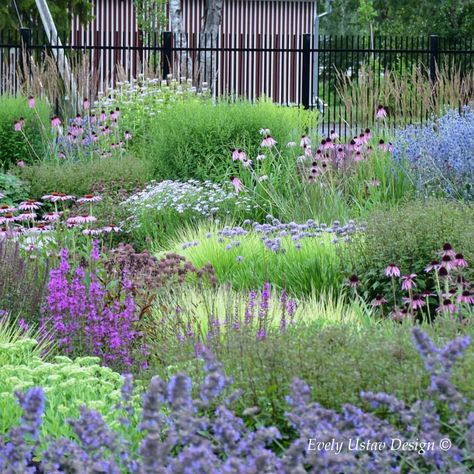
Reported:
(245, 24)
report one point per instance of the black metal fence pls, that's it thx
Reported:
(345, 77)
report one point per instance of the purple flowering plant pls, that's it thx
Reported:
(194, 430)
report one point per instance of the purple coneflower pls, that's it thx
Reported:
(353, 281)
(237, 184)
(466, 297)
(415, 302)
(89, 198)
(333, 135)
(29, 205)
(260, 157)
(6, 209)
(399, 315)
(408, 281)
(18, 125)
(268, 142)
(447, 307)
(305, 141)
(86, 104)
(392, 270)
(55, 197)
(379, 300)
(30, 216)
(128, 135)
(55, 121)
(31, 102)
(448, 250)
(381, 112)
(52, 216)
(459, 261)
(447, 262)
(434, 265)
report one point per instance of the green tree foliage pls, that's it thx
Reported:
(61, 10)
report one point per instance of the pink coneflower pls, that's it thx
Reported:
(128, 135)
(261, 157)
(459, 261)
(52, 216)
(434, 265)
(55, 121)
(329, 145)
(340, 153)
(103, 116)
(93, 118)
(447, 307)
(447, 262)
(29, 216)
(237, 184)
(399, 315)
(114, 115)
(353, 281)
(111, 228)
(305, 141)
(448, 250)
(29, 205)
(39, 228)
(264, 131)
(379, 300)
(358, 156)
(56, 197)
(7, 209)
(246, 163)
(21, 164)
(308, 151)
(466, 297)
(18, 125)
(415, 302)
(31, 102)
(86, 104)
(381, 112)
(333, 135)
(7, 217)
(408, 281)
(368, 134)
(383, 146)
(392, 270)
(268, 142)
(89, 198)
(78, 120)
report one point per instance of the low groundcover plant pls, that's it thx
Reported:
(202, 435)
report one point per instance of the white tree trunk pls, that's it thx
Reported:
(185, 66)
(209, 39)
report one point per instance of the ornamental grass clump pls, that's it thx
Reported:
(202, 434)
(299, 257)
(438, 156)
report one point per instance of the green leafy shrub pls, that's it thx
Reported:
(13, 188)
(125, 173)
(13, 146)
(194, 139)
(411, 235)
(339, 361)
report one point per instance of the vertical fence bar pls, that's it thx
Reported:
(25, 52)
(167, 53)
(306, 70)
(434, 56)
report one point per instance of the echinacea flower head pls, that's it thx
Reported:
(399, 315)
(466, 297)
(408, 281)
(448, 250)
(29, 205)
(447, 262)
(89, 198)
(19, 124)
(31, 102)
(246, 163)
(235, 154)
(237, 184)
(128, 135)
(6, 209)
(86, 104)
(459, 261)
(392, 270)
(353, 281)
(264, 131)
(56, 197)
(30, 216)
(55, 122)
(52, 216)
(381, 112)
(268, 142)
(21, 164)
(379, 300)
(415, 302)
(447, 307)
(305, 141)
(434, 265)
(261, 157)
(333, 135)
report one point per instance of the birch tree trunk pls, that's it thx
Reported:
(209, 39)
(181, 40)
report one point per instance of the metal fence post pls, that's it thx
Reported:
(167, 55)
(306, 72)
(434, 56)
(25, 52)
